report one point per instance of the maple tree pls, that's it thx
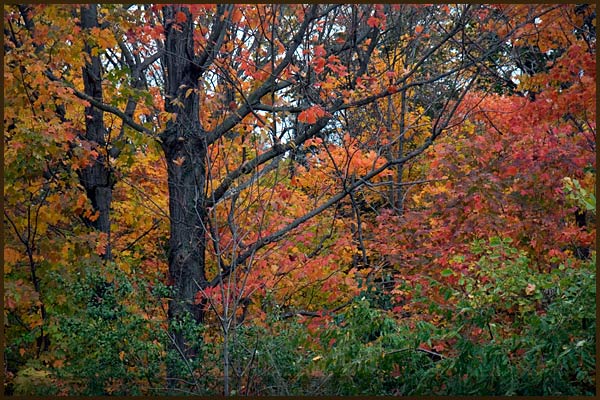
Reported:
(509, 184)
(238, 167)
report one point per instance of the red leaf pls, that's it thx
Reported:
(511, 170)
(180, 17)
(307, 117)
(320, 51)
(318, 64)
(310, 115)
(198, 297)
(373, 22)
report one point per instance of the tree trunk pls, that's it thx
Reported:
(96, 178)
(184, 146)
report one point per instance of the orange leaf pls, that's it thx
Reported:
(11, 255)
(102, 243)
(81, 200)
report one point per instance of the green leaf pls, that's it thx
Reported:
(447, 272)
(495, 241)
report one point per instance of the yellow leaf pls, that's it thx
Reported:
(178, 161)
(530, 289)
(61, 299)
(125, 267)
(177, 102)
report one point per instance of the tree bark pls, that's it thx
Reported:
(184, 145)
(96, 178)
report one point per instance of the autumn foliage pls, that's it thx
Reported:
(299, 199)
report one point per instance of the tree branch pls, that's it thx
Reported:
(254, 98)
(216, 37)
(102, 106)
(249, 166)
(315, 313)
(438, 128)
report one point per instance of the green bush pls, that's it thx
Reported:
(515, 331)
(103, 343)
(533, 340)
(541, 340)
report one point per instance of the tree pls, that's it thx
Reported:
(274, 121)
(502, 172)
(199, 55)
